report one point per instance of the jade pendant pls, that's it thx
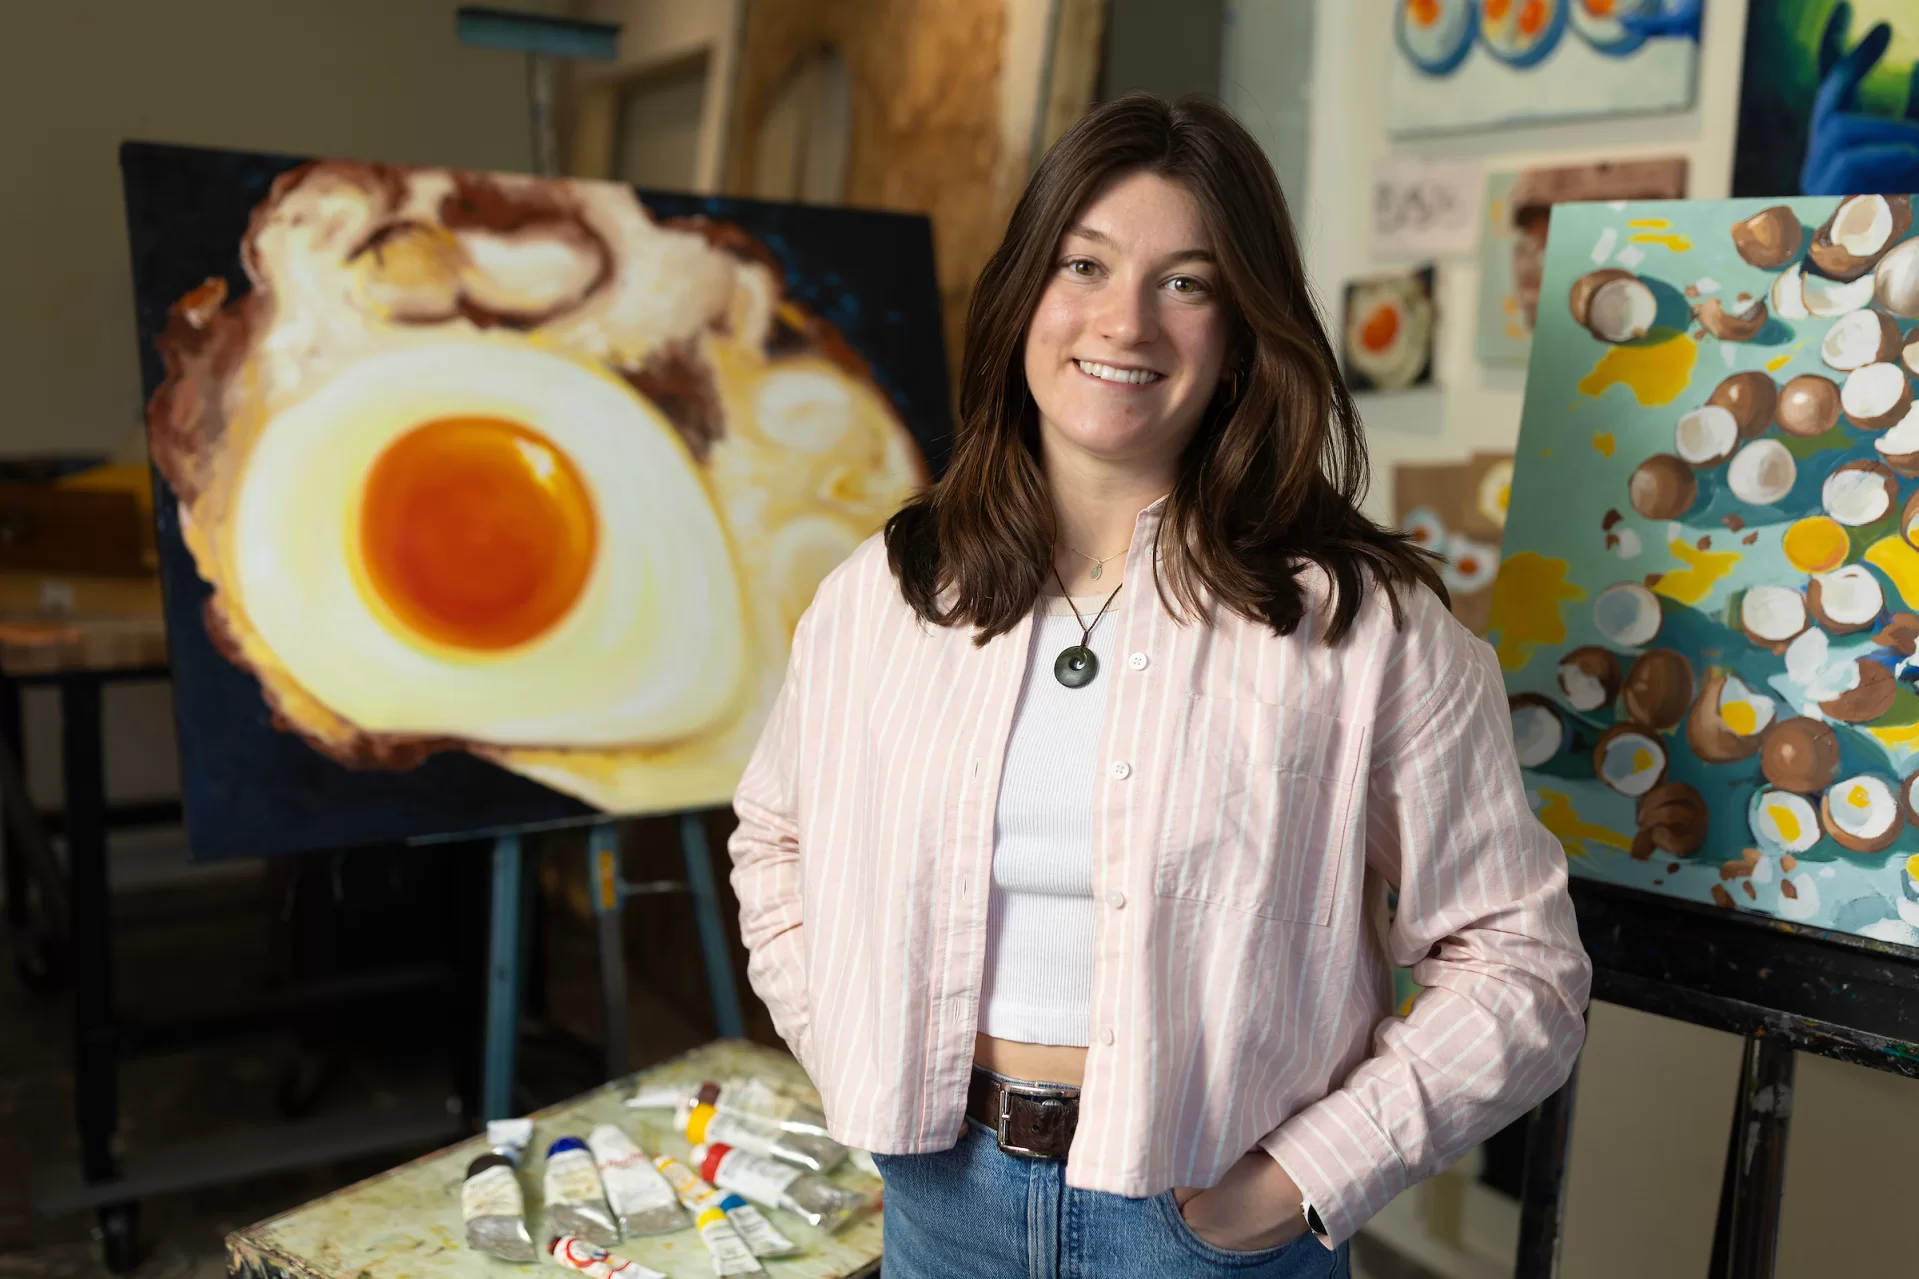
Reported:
(1075, 666)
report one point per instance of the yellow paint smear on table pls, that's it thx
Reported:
(1563, 820)
(1677, 243)
(1525, 606)
(1605, 443)
(1778, 362)
(1656, 368)
(1695, 581)
(1894, 557)
(1650, 224)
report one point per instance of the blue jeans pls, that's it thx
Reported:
(975, 1212)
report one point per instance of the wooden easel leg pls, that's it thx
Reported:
(713, 936)
(1542, 1207)
(603, 878)
(503, 981)
(1745, 1242)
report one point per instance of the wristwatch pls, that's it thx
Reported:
(1313, 1223)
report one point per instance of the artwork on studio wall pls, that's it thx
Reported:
(1708, 606)
(1513, 238)
(1386, 331)
(1457, 510)
(1474, 64)
(1863, 134)
(490, 502)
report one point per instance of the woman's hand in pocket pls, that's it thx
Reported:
(1254, 1206)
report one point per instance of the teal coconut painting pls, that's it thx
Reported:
(1708, 609)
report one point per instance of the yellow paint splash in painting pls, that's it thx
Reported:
(1900, 736)
(1605, 443)
(1650, 224)
(1525, 606)
(1694, 582)
(1898, 561)
(1509, 304)
(1656, 368)
(1563, 820)
(1778, 362)
(1677, 243)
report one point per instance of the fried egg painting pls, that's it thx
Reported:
(1775, 559)
(1389, 331)
(502, 496)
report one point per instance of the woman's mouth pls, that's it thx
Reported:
(1115, 373)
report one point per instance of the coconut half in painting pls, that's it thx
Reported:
(507, 466)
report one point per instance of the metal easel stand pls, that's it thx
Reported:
(610, 892)
(1745, 1240)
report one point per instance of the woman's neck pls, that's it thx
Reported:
(1096, 513)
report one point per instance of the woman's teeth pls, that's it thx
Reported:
(1108, 373)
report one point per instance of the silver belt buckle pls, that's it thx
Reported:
(1006, 1090)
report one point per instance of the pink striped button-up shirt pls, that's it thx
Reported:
(1253, 792)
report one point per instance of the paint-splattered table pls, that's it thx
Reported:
(405, 1224)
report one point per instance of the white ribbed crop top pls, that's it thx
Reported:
(1038, 982)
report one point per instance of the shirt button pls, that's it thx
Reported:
(1116, 899)
(1121, 770)
(1139, 661)
(1106, 1035)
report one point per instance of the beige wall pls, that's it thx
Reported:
(1655, 1096)
(378, 79)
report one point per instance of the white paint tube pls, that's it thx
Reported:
(730, 1253)
(491, 1202)
(773, 1184)
(575, 1199)
(589, 1258)
(755, 1097)
(641, 1200)
(698, 1195)
(703, 1125)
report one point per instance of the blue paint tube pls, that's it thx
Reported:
(575, 1199)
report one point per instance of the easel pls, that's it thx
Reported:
(610, 890)
(1785, 987)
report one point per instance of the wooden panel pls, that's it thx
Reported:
(59, 530)
(405, 1224)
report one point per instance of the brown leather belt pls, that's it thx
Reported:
(1035, 1121)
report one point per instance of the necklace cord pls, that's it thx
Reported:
(1085, 627)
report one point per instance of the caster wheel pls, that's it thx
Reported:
(119, 1232)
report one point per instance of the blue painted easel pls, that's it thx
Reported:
(610, 889)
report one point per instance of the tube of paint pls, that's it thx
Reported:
(695, 1192)
(755, 1097)
(774, 1184)
(703, 1124)
(730, 1253)
(491, 1202)
(641, 1200)
(589, 1258)
(575, 1199)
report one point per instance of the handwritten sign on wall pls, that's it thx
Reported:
(1425, 208)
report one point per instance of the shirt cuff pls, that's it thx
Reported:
(1341, 1162)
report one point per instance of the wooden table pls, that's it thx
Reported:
(405, 1224)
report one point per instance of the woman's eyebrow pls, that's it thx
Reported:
(1194, 254)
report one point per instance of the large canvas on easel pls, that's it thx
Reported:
(1708, 608)
(489, 502)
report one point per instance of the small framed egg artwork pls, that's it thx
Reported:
(1457, 510)
(1707, 609)
(488, 502)
(1386, 332)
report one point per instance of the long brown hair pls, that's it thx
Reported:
(1271, 481)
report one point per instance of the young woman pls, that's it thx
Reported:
(1062, 860)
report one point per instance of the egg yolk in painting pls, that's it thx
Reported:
(1381, 327)
(1424, 12)
(475, 532)
(1599, 8)
(1817, 544)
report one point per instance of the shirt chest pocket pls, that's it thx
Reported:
(1260, 809)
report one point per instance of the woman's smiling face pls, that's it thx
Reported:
(1126, 346)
